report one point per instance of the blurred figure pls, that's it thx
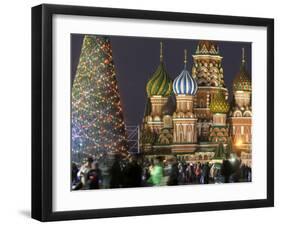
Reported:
(174, 172)
(105, 168)
(248, 174)
(182, 172)
(132, 173)
(93, 178)
(74, 172)
(205, 173)
(116, 176)
(156, 173)
(76, 183)
(243, 172)
(82, 174)
(198, 172)
(145, 172)
(215, 173)
(226, 170)
(190, 173)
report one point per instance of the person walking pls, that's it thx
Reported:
(174, 172)
(156, 173)
(206, 173)
(226, 170)
(132, 173)
(93, 178)
(82, 174)
(115, 173)
(198, 173)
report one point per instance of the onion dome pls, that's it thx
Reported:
(170, 107)
(207, 47)
(219, 104)
(160, 83)
(242, 81)
(185, 84)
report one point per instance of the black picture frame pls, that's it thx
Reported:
(42, 107)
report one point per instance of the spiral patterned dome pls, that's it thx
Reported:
(160, 83)
(219, 104)
(185, 84)
(242, 81)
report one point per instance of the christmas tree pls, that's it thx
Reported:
(97, 120)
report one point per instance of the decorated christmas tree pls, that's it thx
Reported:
(97, 120)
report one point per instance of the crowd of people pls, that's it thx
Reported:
(133, 171)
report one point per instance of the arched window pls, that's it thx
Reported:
(167, 121)
(237, 114)
(181, 133)
(214, 83)
(247, 114)
(201, 103)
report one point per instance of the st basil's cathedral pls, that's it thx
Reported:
(191, 116)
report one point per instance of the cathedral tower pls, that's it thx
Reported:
(241, 112)
(219, 108)
(184, 119)
(158, 89)
(208, 72)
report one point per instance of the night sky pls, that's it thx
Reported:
(136, 59)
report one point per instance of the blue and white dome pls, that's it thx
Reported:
(185, 84)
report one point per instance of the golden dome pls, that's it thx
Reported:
(242, 81)
(219, 104)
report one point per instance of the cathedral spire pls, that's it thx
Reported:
(242, 81)
(243, 56)
(161, 51)
(185, 58)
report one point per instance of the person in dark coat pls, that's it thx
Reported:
(206, 173)
(116, 176)
(132, 173)
(174, 173)
(226, 170)
(93, 178)
(74, 171)
(243, 172)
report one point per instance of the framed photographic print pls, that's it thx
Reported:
(145, 112)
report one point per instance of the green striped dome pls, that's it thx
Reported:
(219, 104)
(160, 83)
